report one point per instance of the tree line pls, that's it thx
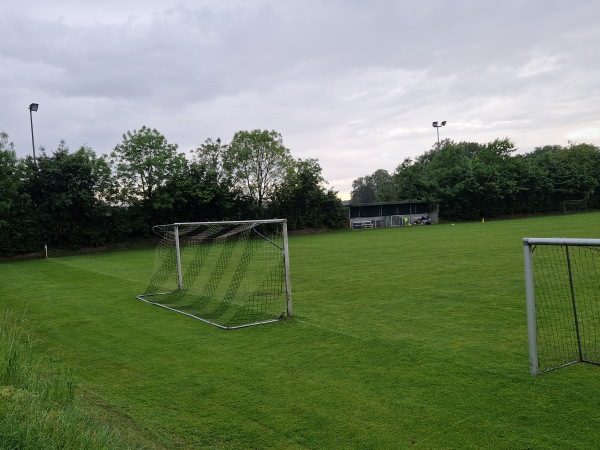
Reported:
(79, 199)
(472, 180)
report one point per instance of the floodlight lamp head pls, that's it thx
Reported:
(434, 124)
(444, 123)
(33, 107)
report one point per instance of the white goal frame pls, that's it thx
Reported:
(571, 304)
(247, 224)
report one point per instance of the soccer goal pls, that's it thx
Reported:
(574, 206)
(562, 283)
(229, 274)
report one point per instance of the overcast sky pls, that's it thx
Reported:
(355, 83)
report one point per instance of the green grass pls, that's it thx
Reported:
(37, 401)
(402, 338)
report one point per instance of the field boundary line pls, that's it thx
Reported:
(108, 274)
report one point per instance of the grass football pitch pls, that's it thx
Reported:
(409, 337)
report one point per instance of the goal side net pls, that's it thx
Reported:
(562, 283)
(229, 274)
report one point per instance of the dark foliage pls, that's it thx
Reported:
(77, 200)
(488, 180)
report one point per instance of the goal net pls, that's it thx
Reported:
(562, 279)
(570, 206)
(229, 274)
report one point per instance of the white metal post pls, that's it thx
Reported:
(531, 324)
(286, 261)
(178, 258)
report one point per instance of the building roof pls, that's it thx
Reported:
(400, 202)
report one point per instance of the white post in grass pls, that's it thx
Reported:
(286, 261)
(178, 259)
(531, 322)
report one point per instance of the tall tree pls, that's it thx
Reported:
(68, 188)
(377, 187)
(9, 185)
(304, 201)
(363, 190)
(383, 184)
(260, 162)
(206, 190)
(411, 182)
(574, 172)
(143, 162)
(19, 224)
(216, 159)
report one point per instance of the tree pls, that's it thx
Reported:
(67, 188)
(363, 190)
(142, 163)
(383, 185)
(573, 173)
(9, 185)
(303, 200)
(206, 190)
(19, 227)
(377, 187)
(215, 157)
(411, 181)
(259, 161)
(5, 145)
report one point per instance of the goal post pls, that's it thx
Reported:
(562, 285)
(230, 274)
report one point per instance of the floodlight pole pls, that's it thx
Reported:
(33, 107)
(437, 128)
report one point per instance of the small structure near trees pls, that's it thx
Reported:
(392, 214)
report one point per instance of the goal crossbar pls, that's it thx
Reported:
(561, 241)
(230, 222)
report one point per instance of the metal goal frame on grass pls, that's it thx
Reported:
(562, 283)
(230, 274)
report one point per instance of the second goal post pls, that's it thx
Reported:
(562, 284)
(230, 274)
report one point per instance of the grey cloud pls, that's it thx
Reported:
(353, 83)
